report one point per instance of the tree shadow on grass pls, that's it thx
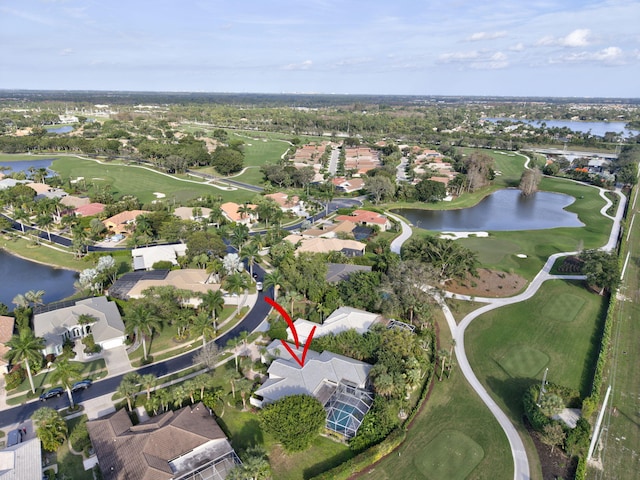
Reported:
(591, 360)
(327, 464)
(511, 391)
(249, 435)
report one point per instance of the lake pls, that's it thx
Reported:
(58, 130)
(596, 128)
(19, 276)
(504, 210)
(23, 165)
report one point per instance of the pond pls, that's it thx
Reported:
(596, 128)
(59, 130)
(19, 276)
(504, 210)
(24, 165)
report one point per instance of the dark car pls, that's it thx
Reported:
(14, 437)
(81, 385)
(54, 392)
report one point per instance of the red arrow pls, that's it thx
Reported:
(294, 332)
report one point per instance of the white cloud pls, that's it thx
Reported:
(65, 52)
(486, 36)
(306, 65)
(606, 56)
(577, 38)
(518, 47)
(479, 60)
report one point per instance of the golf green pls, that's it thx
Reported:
(563, 308)
(451, 455)
(523, 361)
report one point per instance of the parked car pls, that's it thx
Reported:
(54, 392)
(259, 286)
(81, 385)
(14, 437)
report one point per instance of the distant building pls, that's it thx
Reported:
(348, 186)
(90, 209)
(338, 272)
(186, 444)
(230, 212)
(367, 218)
(341, 320)
(187, 213)
(287, 203)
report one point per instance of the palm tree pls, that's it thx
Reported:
(234, 343)
(164, 395)
(244, 386)
(251, 252)
(34, 297)
(442, 356)
(202, 326)
(28, 348)
(275, 280)
(239, 235)
(20, 301)
(236, 283)
(245, 210)
(45, 221)
(140, 321)
(129, 387)
(178, 392)
(148, 382)
(65, 374)
(20, 216)
(213, 301)
(293, 297)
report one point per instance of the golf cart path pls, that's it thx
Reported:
(518, 452)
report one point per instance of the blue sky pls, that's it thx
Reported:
(419, 47)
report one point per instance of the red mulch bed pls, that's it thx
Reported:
(554, 465)
(488, 283)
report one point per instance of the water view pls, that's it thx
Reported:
(24, 165)
(62, 129)
(504, 210)
(596, 128)
(19, 276)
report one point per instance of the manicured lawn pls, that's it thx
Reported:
(70, 465)
(454, 436)
(138, 181)
(41, 253)
(509, 347)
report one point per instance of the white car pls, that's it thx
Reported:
(259, 286)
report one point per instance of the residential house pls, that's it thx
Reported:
(45, 191)
(144, 258)
(230, 212)
(11, 182)
(74, 202)
(121, 222)
(338, 382)
(6, 332)
(192, 213)
(186, 444)
(330, 230)
(367, 219)
(341, 320)
(60, 324)
(288, 204)
(338, 272)
(89, 210)
(350, 248)
(361, 159)
(348, 185)
(22, 461)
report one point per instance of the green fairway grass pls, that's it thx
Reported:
(451, 407)
(522, 361)
(563, 308)
(451, 455)
(141, 182)
(571, 347)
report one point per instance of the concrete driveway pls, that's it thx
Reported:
(117, 360)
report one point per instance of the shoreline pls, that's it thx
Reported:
(8, 251)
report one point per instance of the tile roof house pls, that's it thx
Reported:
(186, 213)
(341, 320)
(145, 257)
(57, 325)
(230, 212)
(45, 191)
(329, 230)
(22, 461)
(75, 202)
(89, 210)
(367, 218)
(288, 204)
(348, 186)
(185, 444)
(350, 248)
(6, 332)
(120, 222)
